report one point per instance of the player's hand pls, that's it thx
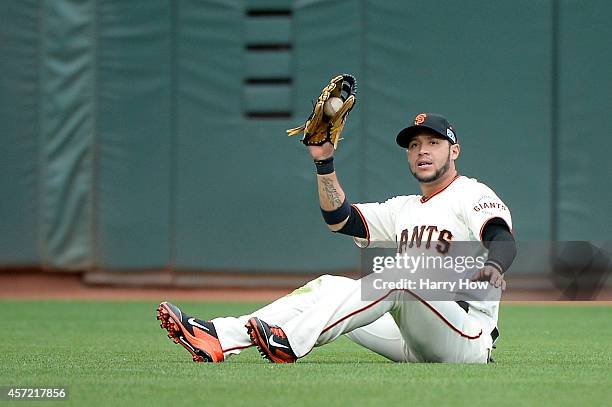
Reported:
(492, 275)
(321, 152)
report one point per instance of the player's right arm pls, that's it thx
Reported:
(365, 222)
(332, 199)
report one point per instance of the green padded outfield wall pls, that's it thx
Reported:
(134, 135)
(584, 128)
(19, 134)
(139, 134)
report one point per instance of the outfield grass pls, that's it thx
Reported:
(115, 354)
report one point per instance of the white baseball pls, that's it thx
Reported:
(332, 105)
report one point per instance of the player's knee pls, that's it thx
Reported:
(329, 280)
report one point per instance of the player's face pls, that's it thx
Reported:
(430, 157)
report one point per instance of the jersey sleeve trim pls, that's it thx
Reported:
(365, 222)
(489, 220)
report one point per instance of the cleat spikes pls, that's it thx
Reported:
(261, 335)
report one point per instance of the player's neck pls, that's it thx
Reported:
(431, 188)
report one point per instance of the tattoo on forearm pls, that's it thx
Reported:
(331, 193)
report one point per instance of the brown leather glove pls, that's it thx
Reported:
(320, 128)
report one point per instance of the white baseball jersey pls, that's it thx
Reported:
(456, 213)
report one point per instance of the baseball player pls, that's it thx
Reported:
(398, 324)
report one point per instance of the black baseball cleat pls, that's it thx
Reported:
(197, 336)
(271, 341)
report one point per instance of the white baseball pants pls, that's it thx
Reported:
(396, 326)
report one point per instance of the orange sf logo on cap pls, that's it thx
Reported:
(420, 118)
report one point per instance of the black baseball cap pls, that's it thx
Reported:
(428, 122)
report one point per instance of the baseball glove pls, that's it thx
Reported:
(320, 128)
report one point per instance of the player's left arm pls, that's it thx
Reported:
(489, 219)
(498, 239)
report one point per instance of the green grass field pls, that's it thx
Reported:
(110, 353)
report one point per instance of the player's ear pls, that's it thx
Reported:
(455, 149)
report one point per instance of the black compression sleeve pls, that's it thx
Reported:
(502, 248)
(354, 225)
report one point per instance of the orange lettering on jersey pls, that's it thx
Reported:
(487, 202)
(444, 238)
(489, 205)
(403, 241)
(417, 236)
(431, 230)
